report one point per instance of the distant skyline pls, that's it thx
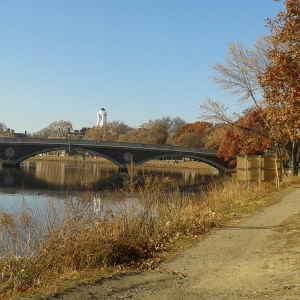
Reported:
(139, 59)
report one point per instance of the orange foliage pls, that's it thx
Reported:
(193, 135)
(197, 127)
(248, 136)
(281, 81)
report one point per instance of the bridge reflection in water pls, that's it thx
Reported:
(38, 186)
(54, 176)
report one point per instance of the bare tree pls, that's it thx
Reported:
(55, 129)
(238, 77)
(3, 127)
(3, 131)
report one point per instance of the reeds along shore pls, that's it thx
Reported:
(75, 237)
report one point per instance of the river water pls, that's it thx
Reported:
(39, 181)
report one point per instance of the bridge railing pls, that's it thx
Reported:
(102, 143)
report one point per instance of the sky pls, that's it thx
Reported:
(139, 59)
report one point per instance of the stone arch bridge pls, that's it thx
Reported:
(14, 150)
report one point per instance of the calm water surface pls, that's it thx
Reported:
(38, 182)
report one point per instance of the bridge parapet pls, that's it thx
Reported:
(102, 143)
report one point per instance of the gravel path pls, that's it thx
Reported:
(258, 258)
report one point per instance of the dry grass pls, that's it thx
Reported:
(68, 241)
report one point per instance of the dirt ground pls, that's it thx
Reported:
(257, 258)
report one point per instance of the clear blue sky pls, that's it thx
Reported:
(139, 59)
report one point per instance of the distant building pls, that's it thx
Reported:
(11, 133)
(101, 117)
(79, 133)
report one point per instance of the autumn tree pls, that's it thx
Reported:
(137, 135)
(193, 135)
(164, 130)
(159, 131)
(213, 138)
(281, 80)
(55, 129)
(190, 139)
(171, 127)
(196, 127)
(268, 76)
(248, 136)
(108, 132)
(154, 132)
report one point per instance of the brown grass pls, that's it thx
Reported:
(71, 244)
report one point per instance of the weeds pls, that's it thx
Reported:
(39, 250)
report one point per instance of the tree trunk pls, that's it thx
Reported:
(294, 158)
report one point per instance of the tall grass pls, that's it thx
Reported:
(38, 250)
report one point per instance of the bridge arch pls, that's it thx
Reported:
(97, 153)
(58, 148)
(212, 163)
(37, 152)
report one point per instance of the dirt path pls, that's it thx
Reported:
(258, 258)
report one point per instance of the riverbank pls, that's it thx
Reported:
(256, 257)
(87, 250)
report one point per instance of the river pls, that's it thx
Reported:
(40, 180)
